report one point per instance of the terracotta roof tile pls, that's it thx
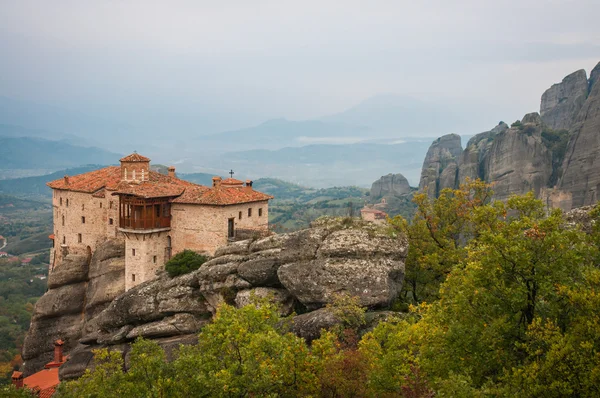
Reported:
(231, 181)
(44, 379)
(108, 177)
(135, 157)
(47, 393)
(157, 186)
(222, 196)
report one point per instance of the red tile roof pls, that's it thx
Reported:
(232, 181)
(44, 380)
(135, 157)
(222, 196)
(157, 186)
(108, 177)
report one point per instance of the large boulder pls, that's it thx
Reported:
(390, 185)
(472, 163)
(73, 269)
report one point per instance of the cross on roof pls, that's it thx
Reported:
(231, 173)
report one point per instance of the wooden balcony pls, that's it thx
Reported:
(144, 214)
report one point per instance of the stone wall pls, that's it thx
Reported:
(72, 235)
(145, 254)
(204, 228)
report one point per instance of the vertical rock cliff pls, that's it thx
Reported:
(391, 184)
(581, 166)
(562, 102)
(440, 167)
(473, 160)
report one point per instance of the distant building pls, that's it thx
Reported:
(43, 383)
(373, 215)
(3, 254)
(26, 261)
(156, 215)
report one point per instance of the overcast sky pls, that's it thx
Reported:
(234, 63)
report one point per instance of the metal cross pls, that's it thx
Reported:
(231, 173)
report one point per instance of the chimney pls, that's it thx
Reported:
(67, 179)
(58, 351)
(216, 182)
(17, 379)
(248, 187)
(171, 171)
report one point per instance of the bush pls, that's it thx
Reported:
(184, 262)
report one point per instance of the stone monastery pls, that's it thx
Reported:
(157, 215)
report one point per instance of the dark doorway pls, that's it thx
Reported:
(230, 228)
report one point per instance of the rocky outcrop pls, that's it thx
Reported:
(440, 166)
(301, 271)
(78, 288)
(472, 162)
(582, 161)
(562, 102)
(390, 185)
(518, 160)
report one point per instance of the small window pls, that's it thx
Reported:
(67, 202)
(154, 259)
(240, 215)
(63, 220)
(61, 201)
(250, 212)
(110, 204)
(260, 212)
(110, 221)
(79, 238)
(133, 252)
(64, 240)
(133, 277)
(83, 206)
(100, 204)
(82, 219)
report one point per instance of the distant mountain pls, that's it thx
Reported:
(38, 153)
(280, 133)
(400, 116)
(36, 186)
(197, 178)
(331, 165)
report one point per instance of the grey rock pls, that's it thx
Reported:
(73, 269)
(581, 164)
(390, 185)
(239, 247)
(358, 243)
(170, 326)
(261, 271)
(376, 282)
(562, 102)
(281, 297)
(61, 301)
(309, 325)
(443, 152)
(472, 163)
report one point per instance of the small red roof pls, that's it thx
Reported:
(135, 157)
(157, 186)
(51, 236)
(26, 260)
(44, 380)
(231, 181)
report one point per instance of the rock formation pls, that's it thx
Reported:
(561, 103)
(582, 160)
(440, 167)
(78, 289)
(391, 184)
(474, 158)
(302, 271)
(518, 160)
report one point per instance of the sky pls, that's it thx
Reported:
(209, 66)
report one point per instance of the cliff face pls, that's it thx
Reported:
(555, 154)
(391, 184)
(302, 271)
(582, 159)
(562, 102)
(440, 166)
(518, 160)
(78, 289)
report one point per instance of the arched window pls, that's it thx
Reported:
(142, 174)
(133, 175)
(125, 175)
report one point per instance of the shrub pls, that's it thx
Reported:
(184, 262)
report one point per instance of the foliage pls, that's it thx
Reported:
(184, 262)
(436, 236)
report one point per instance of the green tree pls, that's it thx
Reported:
(184, 262)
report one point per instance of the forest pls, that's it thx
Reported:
(500, 299)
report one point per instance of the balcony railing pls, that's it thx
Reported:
(145, 223)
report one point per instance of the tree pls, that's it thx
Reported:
(184, 262)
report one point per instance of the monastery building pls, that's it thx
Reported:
(157, 215)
